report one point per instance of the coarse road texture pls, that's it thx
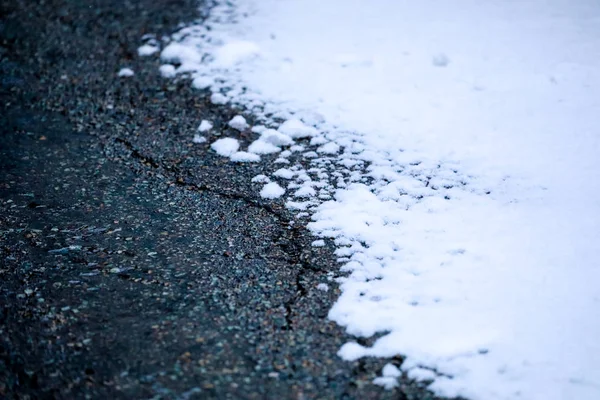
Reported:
(134, 263)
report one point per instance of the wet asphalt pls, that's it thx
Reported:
(134, 263)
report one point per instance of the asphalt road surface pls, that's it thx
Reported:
(134, 263)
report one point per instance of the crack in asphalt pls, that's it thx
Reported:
(291, 244)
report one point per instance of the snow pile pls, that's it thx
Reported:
(125, 72)
(272, 191)
(450, 152)
(167, 70)
(151, 46)
(244, 156)
(239, 123)
(198, 139)
(205, 126)
(225, 147)
(296, 129)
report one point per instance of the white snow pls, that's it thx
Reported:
(239, 123)
(125, 72)
(167, 70)
(198, 139)
(202, 82)
(296, 129)
(218, 98)
(421, 374)
(276, 138)
(205, 126)
(262, 147)
(305, 191)
(180, 54)
(243, 156)
(226, 147)
(466, 211)
(272, 191)
(284, 173)
(389, 378)
(323, 286)
(261, 178)
(234, 52)
(329, 148)
(147, 50)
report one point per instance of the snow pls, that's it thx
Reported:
(180, 54)
(329, 148)
(125, 72)
(323, 286)
(205, 126)
(305, 191)
(296, 129)
(421, 374)
(218, 98)
(234, 52)
(243, 157)
(284, 173)
(167, 70)
(202, 82)
(261, 178)
(462, 139)
(198, 139)
(262, 147)
(276, 138)
(239, 123)
(389, 378)
(226, 147)
(147, 50)
(272, 191)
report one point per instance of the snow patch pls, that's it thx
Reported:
(235, 52)
(205, 126)
(262, 147)
(202, 82)
(225, 147)
(218, 98)
(125, 72)
(276, 138)
(198, 139)
(284, 173)
(272, 191)
(167, 71)
(239, 123)
(243, 157)
(323, 287)
(147, 50)
(295, 129)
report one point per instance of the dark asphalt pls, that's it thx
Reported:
(134, 263)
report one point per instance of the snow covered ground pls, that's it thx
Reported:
(451, 152)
